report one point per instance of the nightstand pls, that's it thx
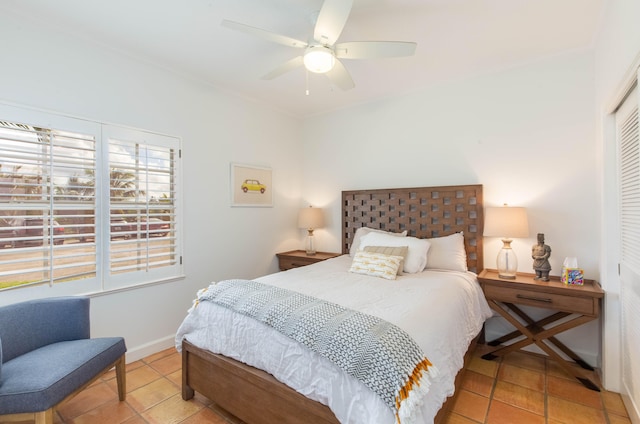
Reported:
(582, 303)
(298, 258)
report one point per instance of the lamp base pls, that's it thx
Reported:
(310, 245)
(506, 262)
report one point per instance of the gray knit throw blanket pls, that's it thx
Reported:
(379, 354)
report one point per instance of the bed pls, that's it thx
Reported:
(224, 354)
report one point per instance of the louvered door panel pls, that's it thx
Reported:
(629, 183)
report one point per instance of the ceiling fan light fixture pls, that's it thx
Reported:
(319, 59)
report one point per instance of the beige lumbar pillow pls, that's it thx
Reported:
(392, 251)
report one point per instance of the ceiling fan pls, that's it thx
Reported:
(321, 53)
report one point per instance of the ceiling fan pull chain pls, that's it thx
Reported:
(307, 81)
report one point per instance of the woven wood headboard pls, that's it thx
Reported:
(425, 212)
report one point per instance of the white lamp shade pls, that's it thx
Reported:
(506, 222)
(310, 218)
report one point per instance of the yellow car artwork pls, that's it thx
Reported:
(253, 185)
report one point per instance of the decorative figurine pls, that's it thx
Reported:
(540, 254)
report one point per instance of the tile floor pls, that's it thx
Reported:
(520, 388)
(524, 388)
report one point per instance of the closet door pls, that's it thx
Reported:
(628, 144)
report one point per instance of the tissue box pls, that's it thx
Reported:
(572, 276)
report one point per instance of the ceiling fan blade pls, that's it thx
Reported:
(340, 76)
(267, 35)
(374, 49)
(284, 68)
(331, 20)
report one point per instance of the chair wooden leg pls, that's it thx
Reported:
(44, 417)
(121, 377)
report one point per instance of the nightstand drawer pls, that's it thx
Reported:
(288, 263)
(572, 304)
(298, 258)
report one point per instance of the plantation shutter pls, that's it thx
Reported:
(143, 204)
(47, 199)
(91, 205)
(628, 140)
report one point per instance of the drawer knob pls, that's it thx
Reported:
(537, 299)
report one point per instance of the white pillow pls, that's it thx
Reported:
(447, 253)
(416, 256)
(363, 231)
(376, 264)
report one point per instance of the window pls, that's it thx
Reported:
(142, 203)
(86, 206)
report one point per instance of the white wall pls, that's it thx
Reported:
(527, 134)
(617, 48)
(46, 69)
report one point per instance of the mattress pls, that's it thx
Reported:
(442, 310)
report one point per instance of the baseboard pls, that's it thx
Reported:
(138, 352)
(632, 409)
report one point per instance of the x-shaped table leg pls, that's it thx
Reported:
(535, 333)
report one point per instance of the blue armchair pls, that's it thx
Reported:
(47, 356)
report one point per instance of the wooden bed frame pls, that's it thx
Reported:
(255, 396)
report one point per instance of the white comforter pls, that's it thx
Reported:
(442, 310)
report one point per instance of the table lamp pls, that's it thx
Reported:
(506, 222)
(310, 219)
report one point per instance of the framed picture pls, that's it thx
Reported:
(251, 186)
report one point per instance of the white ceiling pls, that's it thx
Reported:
(456, 38)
